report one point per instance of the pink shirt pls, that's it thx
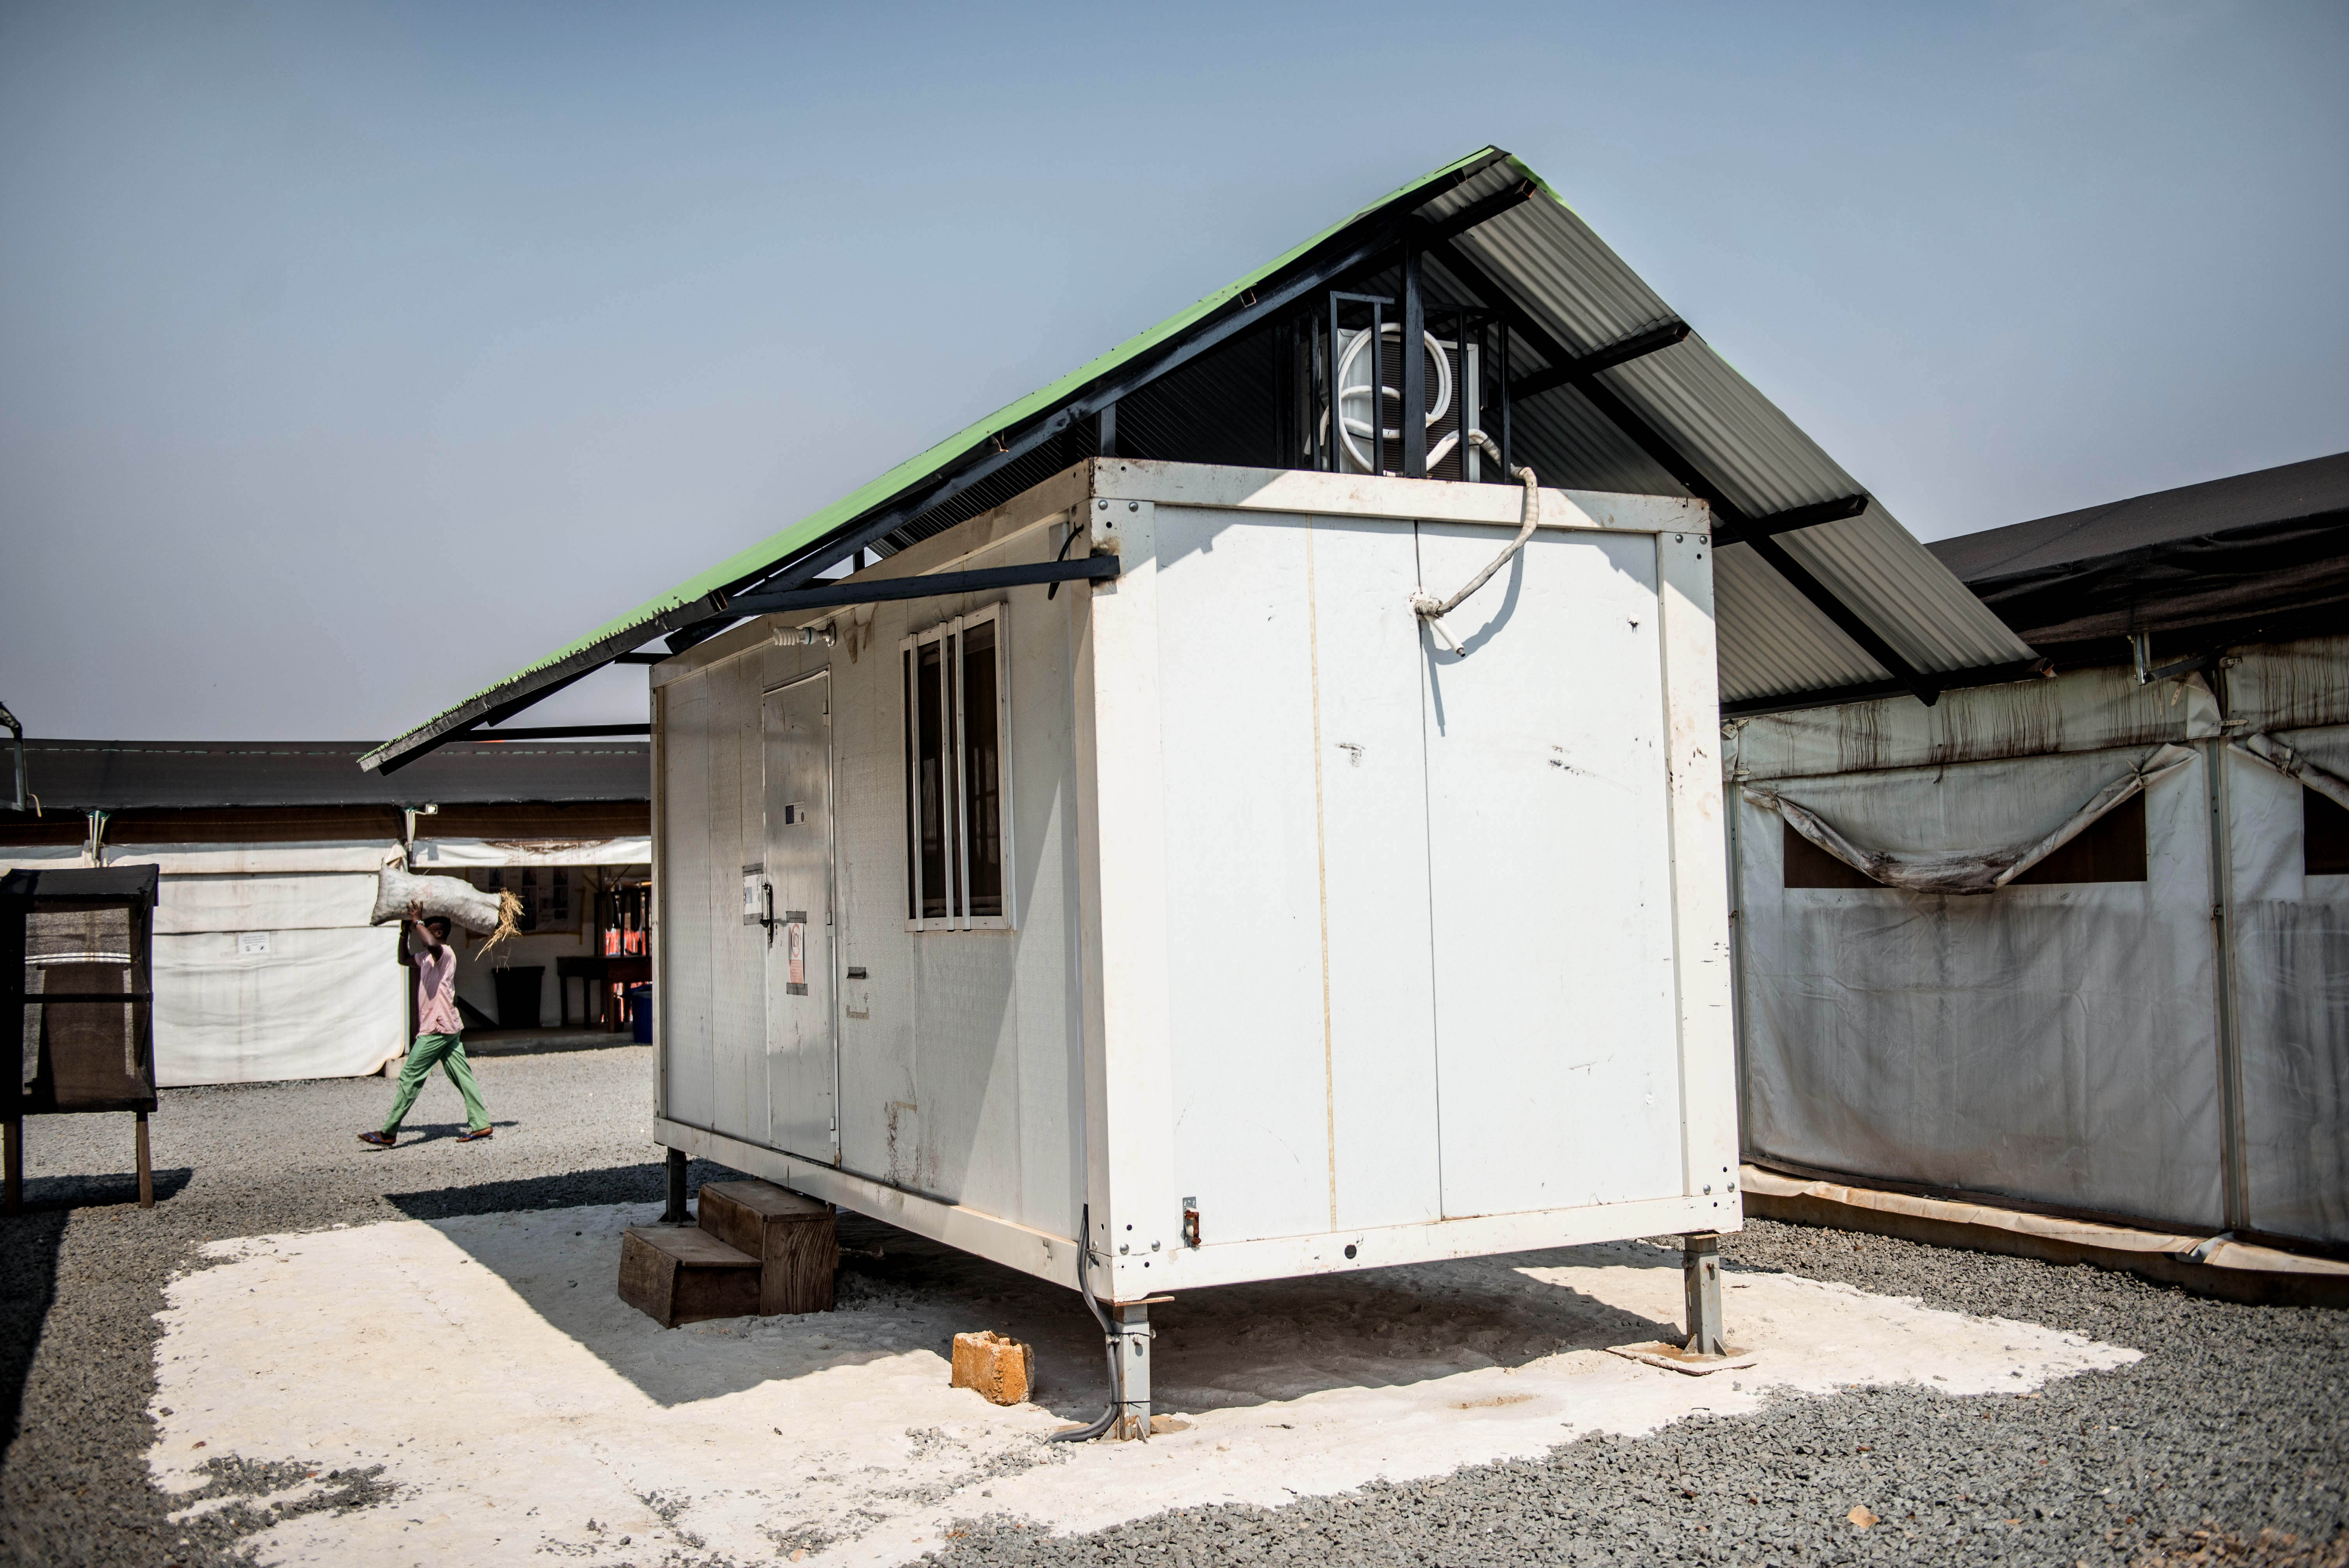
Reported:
(436, 988)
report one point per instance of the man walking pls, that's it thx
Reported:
(439, 1030)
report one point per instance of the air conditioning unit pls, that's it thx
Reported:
(1371, 442)
(1340, 370)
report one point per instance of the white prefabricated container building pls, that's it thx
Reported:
(1128, 859)
(1214, 898)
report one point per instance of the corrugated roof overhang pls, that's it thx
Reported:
(1820, 594)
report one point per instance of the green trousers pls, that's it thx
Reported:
(449, 1050)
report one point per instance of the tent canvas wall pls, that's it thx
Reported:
(266, 966)
(2154, 1030)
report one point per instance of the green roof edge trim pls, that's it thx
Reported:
(913, 470)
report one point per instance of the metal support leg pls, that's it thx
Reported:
(1701, 1280)
(676, 1214)
(14, 1179)
(146, 1168)
(1132, 1326)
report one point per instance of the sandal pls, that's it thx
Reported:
(380, 1140)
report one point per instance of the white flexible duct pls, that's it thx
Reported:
(1432, 610)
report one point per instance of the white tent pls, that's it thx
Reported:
(2168, 1046)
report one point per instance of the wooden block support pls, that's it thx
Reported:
(685, 1276)
(791, 1236)
(998, 1368)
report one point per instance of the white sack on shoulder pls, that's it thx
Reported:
(1963, 871)
(490, 914)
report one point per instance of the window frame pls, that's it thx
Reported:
(948, 636)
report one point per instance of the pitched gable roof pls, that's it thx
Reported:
(1819, 593)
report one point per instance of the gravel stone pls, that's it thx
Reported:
(2229, 1442)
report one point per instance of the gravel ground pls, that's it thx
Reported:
(82, 1270)
(2235, 1424)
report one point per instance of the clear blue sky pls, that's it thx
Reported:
(350, 356)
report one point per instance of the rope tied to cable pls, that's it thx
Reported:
(1430, 609)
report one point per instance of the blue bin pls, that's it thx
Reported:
(640, 1012)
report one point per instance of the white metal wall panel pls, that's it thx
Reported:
(2049, 1042)
(1381, 985)
(1045, 1080)
(1548, 849)
(1252, 1110)
(738, 1000)
(2291, 1008)
(883, 1014)
(961, 1079)
(797, 952)
(685, 947)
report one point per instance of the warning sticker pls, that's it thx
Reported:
(795, 950)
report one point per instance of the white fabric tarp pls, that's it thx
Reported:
(2051, 1043)
(269, 976)
(41, 857)
(444, 854)
(323, 855)
(2291, 988)
(319, 1002)
(1969, 870)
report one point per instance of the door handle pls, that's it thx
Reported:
(768, 919)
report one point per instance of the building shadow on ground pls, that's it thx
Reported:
(30, 1244)
(1232, 1346)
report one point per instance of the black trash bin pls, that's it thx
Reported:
(518, 994)
(640, 1012)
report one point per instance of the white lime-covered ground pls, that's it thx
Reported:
(522, 1409)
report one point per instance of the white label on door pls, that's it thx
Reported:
(795, 950)
(752, 884)
(252, 941)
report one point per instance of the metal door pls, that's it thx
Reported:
(1548, 848)
(795, 900)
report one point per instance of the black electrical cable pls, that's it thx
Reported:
(1109, 1340)
(1054, 591)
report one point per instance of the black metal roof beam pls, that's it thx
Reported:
(1436, 231)
(1669, 458)
(560, 732)
(1793, 518)
(464, 728)
(874, 591)
(1590, 365)
(1259, 308)
(1256, 307)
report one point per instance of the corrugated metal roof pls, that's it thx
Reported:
(129, 775)
(1775, 641)
(2253, 557)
